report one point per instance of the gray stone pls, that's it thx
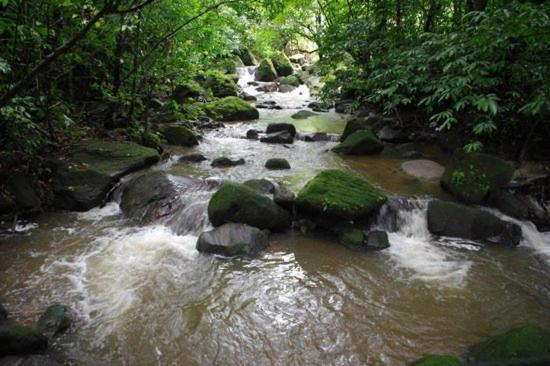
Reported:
(233, 240)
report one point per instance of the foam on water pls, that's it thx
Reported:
(98, 213)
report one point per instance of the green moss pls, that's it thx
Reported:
(266, 71)
(187, 90)
(219, 84)
(229, 64)
(352, 238)
(247, 57)
(282, 64)
(238, 203)
(231, 109)
(361, 142)
(525, 342)
(437, 360)
(290, 80)
(471, 176)
(354, 125)
(180, 136)
(341, 194)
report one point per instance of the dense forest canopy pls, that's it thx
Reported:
(71, 68)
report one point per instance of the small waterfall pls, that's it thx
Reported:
(246, 75)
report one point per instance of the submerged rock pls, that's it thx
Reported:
(266, 71)
(231, 109)
(423, 169)
(261, 185)
(20, 340)
(377, 240)
(277, 164)
(471, 176)
(438, 360)
(303, 114)
(233, 240)
(56, 320)
(224, 162)
(84, 178)
(456, 220)
(530, 343)
(238, 203)
(279, 127)
(282, 137)
(340, 194)
(352, 238)
(180, 136)
(193, 158)
(361, 142)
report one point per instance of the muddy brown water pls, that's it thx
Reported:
(145, 296)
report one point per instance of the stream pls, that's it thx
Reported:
(144, 296)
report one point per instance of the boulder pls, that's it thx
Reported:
(21, 193)
(438, 360)
(253, 134)
(291, 80)
(238, 203)
(261, 185)
(303, 114)
(456, 220)
(362, 142)
(193, 158)
(7, 202)
(248, 97)
(86, 175)
(286, 88)
(231, 109)
(247, 57)
(268, 105)
(282, 137)
(180, 136)
(423, 169)
(232, 240)
(282, 64)
(352, 238)
(187, 90)
(269, 88)
(283, 196)
(355, 125)
(393, 135)
(219, 84)
(266, 71)
(377, 240)
(318, 107)
(278, 127)
(509, 204)
(343, 105)
(224, 162)
(471, 176)
(56, 320)
(277, 164)
(21, 340)
(528, 343)
(340, 194)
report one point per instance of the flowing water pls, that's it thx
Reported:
(144, 296)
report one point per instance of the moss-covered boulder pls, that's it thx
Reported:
(277, 164)
(179, 136)
(231, 109)
(340, 194)
(282, 64)
(21, 340)
(471, 176)
(529, 343)
(261, 185)
(85, 176)
(456, 220)
(266, 72)
(233, 240)
(219, 84)
(363, 123)
(361, 142)
(56, 320)
(278, 127)
(247, 57)
(291, 80)
(238, 203)
(438, 360)
(187, 90)
(229, 64)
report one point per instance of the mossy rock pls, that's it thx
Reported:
(471, 176)
(357, 124)
(291, 80)
(56, 320)
(21, 340)
(361, 142)
(352, 238)
(219, 84)
(303, 114)
(187, 90)
(241, 204)
(528, 342)
(377, 240)
(247, 57)
(261, 185)
(231, 109)
(179, 136)
(282, 64)
(438, 360)
(340, 194)
(229, 64)
(266, 72)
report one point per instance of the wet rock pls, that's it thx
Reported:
(253, 134)
(20, 340)
(180, 136)
(423, 169)
(224, 162)
(291, 80)
(316, 137)
(3, 314)
(284, 197)
(377, 240)
(438, 360)
(248, 97)
(56, 320)
(261, 185)
(232, 240)
(282, 137)
(32, 360)
(335, 193)
(231, 109)
(509, 203)
(342, 106)
(7, 203)
(282, 64)
(530, 344)
(86, 175)
(356, 124)
(268, 105)
(277, 164)
(303, 114)
(456, 220)
(352, 238)
(268, 88)
(361, 142)
(247, 57)
(286, 88)
(21, 193)
(393, 135)
(318, 107)
(266, 71)
(278, 127)
(193, 158)
(238, 203)
(471, 176)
